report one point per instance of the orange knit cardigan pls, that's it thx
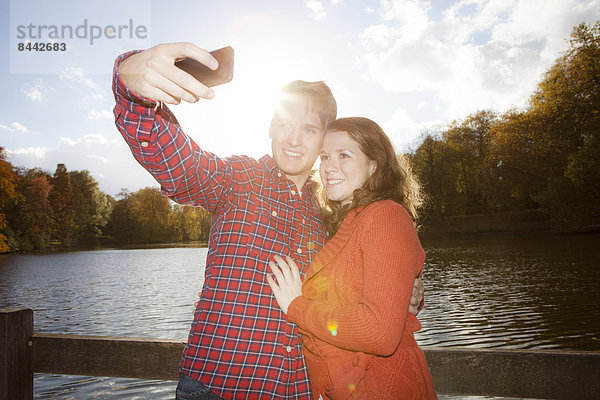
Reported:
(353, 312)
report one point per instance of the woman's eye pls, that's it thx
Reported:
(323, 157)
(344, 155)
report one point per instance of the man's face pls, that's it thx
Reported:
(296, 137)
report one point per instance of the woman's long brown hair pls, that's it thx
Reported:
(392, 179)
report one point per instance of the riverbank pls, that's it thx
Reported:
(508, 222)
(59, 248)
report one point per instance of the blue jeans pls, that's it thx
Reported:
(190, 389)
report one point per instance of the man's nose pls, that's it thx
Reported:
(294, 137)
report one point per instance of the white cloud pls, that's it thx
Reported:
(401, 126)
(35, 91)
(411, 17)
(100, 114)
(89, 139)
(19, 127)
(480, 54)
(404, 131)
(35, 152)
(380, 35)
(318, 12)
(76, 76)
(96, 157)
(15, 126)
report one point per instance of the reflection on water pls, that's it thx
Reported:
(530, 291)
(534, 292)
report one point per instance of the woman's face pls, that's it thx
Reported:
(344, 167)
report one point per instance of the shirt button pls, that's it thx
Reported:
(274, 213)
(279, 174)
(289, 349)
(299, 250)
(293, 192)
(303, 221)
(144, 144)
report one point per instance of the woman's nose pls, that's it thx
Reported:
(330, 166)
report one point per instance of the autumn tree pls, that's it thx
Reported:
(8, 195)
(469, 141)
(29, 217)
(518, 161)
(431, 163)
(568, 103)
(123, 225)
(192, 223)
(61, 200)
(143, 217)
(91, 207)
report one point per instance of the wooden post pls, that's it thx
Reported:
(16, 377)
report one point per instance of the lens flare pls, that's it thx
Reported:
(332, 326)
(321, 283)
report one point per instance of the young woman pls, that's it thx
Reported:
(352, 308)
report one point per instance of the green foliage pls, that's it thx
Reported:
(431, 162)
(193, 223)
(29, 216)
(8, 194)
(91, 207)
(146, 216)
(61, 200)
(36, 208)
(469, 143)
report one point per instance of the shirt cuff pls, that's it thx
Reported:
(124, 96)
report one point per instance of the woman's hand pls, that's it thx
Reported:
(287, 284)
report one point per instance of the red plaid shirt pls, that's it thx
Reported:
(240, 343)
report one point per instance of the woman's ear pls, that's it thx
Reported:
(372, 167)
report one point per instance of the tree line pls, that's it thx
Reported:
(39, 210)
(544, 157)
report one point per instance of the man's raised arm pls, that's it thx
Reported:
(142, 81)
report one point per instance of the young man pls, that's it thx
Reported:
(240, 344)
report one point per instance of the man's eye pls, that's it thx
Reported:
(324, 157)
(310, 130)
(344, 155)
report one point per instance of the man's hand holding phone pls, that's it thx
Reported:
(153, 74)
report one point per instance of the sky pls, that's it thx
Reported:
(412, 66)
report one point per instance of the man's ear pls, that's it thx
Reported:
(271, 128)
(272, 124)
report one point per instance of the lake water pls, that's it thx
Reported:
(492, 291)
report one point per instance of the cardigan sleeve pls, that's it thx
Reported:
(392, 256)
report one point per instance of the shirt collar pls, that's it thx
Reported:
(277, 174)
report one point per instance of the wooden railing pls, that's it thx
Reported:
(461, 371)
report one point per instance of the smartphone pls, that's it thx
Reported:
(207, 76)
